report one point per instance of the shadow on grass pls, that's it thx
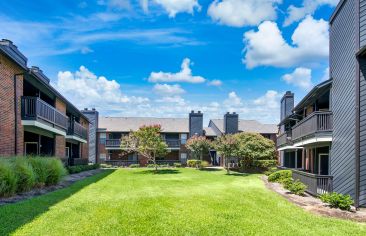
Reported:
(211, 169)
(14, 216)
(238, 174)
(159, 172)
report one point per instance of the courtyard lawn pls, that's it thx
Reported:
(172, 202)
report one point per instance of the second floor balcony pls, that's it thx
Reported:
(36, 112)
(284, 139)
(76, 129)
(316, 125)
(116, 143)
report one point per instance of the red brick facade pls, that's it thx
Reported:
(8, 70)
(60, 142)
(84, 146)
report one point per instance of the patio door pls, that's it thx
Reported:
(323, 164)
(31, 148)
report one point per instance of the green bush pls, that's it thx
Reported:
(204, 164)
(81, 168)
(134, 165)
(337, 200)
(295, 187)
(8, 179)
(264, 164)
(55, 171)
(39, 166)
(150, 166)
(25, 175)
(287, 182)
(177, 165)
(270, 171)
(194, 163)
(280, 176)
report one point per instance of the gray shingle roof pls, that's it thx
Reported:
(250, 126)
(126, 124)
(209, 131)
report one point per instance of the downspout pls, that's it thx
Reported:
(16, 114)
(357, 108)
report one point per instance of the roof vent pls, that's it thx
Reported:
(39, 74)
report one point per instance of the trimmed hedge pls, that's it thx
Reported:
(193, 163)
(134, 166)
(264, 164)
(20, 174)
(81, 168)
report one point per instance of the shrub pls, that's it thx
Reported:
(270, 171)
(204, 164)
(25, 175)
(264, 164)
(193, 163)
(177, 165)
(103, 165)
(55, 171)
(150, 166)
(295, 187)
(39, 167)
(81, 168)
(287, 182)
(280, 175)
(134, 165)
(8, 179)
(338, 200)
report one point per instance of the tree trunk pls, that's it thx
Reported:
(156, 166)
(227, 166)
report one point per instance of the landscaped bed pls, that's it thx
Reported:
(171, 202)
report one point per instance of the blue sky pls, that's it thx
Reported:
(164, 58)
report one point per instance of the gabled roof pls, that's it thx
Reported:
(209, 132)
(9, 49)
(317, 91)
(126, 124)
(250, 126)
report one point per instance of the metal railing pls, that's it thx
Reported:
(316, 184)
(173, 143)
(125, 163)
(74, 128)
(316, 122)
(165, 162)
(113, 143)
(34, 108)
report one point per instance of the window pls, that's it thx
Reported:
(102, 156)
(102, 138)
(183, 139)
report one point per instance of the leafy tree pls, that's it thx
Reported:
(198, 145)
(146, 141)
(252, 147)
(227, 147)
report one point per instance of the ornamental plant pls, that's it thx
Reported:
(227, 147)
(198, 146)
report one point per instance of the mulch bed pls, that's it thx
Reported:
(65, 182)
(315, 205)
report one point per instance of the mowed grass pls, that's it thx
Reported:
(172, 202)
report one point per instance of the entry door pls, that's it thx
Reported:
(31, 148)
(323, 164)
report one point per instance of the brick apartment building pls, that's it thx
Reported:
(35, 119)
(176, 132)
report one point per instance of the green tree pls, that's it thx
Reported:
(146, 141)
(227, 147)
(252, 146)
(198, 145)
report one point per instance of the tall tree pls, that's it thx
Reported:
(227, 147)
(198, 145)
(146, 141)
(252, 146)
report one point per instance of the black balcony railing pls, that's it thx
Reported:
(33, 108)
(115, 143)
(74, 128)
(172, 143)
(317, 122)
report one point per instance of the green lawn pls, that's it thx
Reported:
(173, 202)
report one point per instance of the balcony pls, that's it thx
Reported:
(77, 131)
(317, 127)
(284, 139)
(116, 143)
(316, 184)
(38, 113)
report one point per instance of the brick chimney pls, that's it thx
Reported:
(287, 104)
(195, 123)
(231, 123)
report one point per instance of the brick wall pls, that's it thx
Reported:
(7, 117)
(85, 146)
(60, 142)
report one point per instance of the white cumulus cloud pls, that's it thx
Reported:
(239, 13)
(85, 89)
(300, 77)
(184, 75)
(173, 7)
(267, 46)
(295, 14)
(215, 82)
(168, 90)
